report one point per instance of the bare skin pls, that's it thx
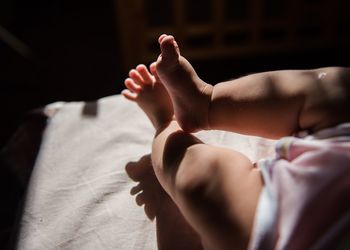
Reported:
(144, 88)
(216, 189)
(170, 224)
(270, 104)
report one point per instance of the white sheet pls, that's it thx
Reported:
(79, 193)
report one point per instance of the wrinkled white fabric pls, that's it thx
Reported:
(79, 193)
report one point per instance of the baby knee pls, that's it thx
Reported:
(196, 170)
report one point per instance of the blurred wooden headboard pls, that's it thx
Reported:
(221, 28)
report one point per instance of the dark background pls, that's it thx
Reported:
(75, 55)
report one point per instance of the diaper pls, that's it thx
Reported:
(305, 203)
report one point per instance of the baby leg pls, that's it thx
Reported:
(216, 189)
(268, 104)
(146, 90)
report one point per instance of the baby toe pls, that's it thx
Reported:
(129, 95)
(170, 54)
(136, 76)
(153, 70)
(132, 86)
(161, 37)
(145, 74)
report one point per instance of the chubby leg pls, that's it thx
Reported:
(215, 189)
(269, 104)
(265, 104)
(173, 231)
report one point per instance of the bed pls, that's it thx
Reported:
(78, 191)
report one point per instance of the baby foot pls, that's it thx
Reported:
(189, 94)
(146, 90)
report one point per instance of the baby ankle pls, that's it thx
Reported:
(208, 92)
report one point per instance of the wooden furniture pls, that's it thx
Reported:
(222, 28)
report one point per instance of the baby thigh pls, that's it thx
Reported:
(218, 191)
